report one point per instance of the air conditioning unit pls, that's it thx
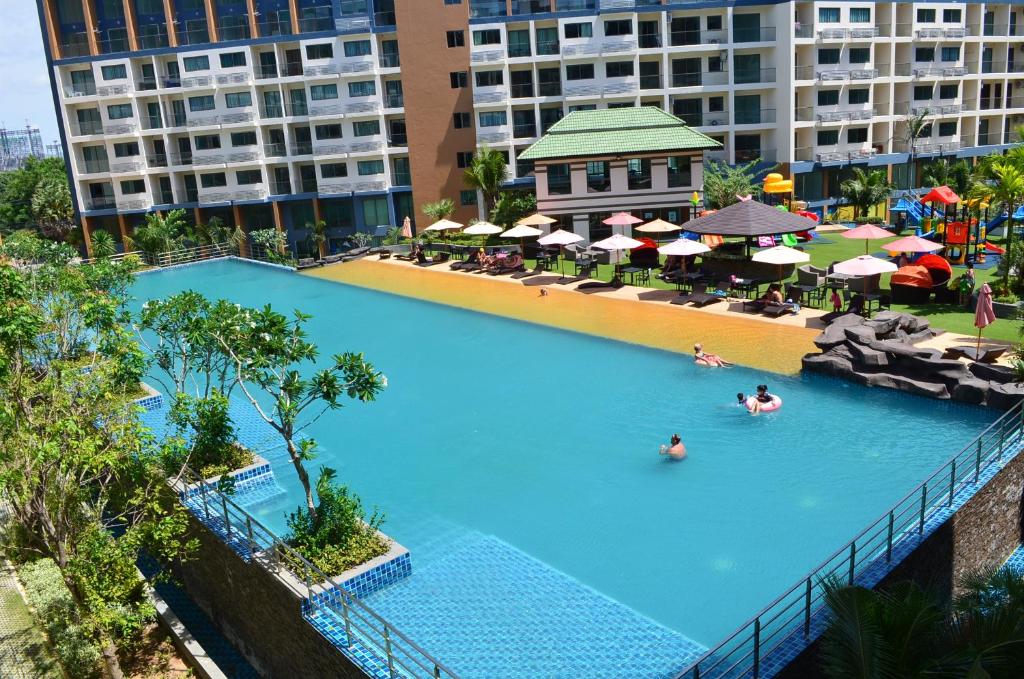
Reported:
(715, 123)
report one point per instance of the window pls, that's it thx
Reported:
(949, 91)
(582, 30)
(714, 23)
(828, 15)
(951, 53)
(860, 95)
(243, 177)
(579, 72)
(489, 36)
(196, 63)
(133, 186)
(333, 170)
(366, 128)
(321, 92)
(375, 212)
(925, 16)
(638, 171)
(559, 183)
(714, 64)
(363, 88)
(618, 27)
(599, 176)
(618, 69)
(464, 159)
(243, 139)
(329, 131)
(922, 92)
(213, 180)
(323, 50)
(453, 2)
(716, 104)
(947, 129)
(828, 137)
(679, 174)
(232, 60)
(860, 55)
(458, 79)
(951, 16)
(204, 103)
(926, 131)
(860, 15)
(857, 135)
(116, 72)
(237, 99)
(357, 48)
(456, 38)
(119, 111)
(924, 54)
(493, 119)
(206, 142)
(489, 78)
(462, 120)
(828, 56)
(828, 97)
(467, 197)
(126, 149)
(370, 167)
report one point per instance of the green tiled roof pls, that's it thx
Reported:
(617, 131)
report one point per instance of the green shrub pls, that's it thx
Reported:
(340, 537)
(1008, 298)
(56, 612)
(207, 423)
(872, 220)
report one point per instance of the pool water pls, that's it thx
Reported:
(544, 443)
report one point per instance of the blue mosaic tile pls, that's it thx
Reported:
(150, 403)
(1016, 560)
(201, 262)
(379, 577)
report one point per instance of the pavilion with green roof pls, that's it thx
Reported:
(594, 163)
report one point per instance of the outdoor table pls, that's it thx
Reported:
(838, 278)
(544, 260)
(632, 272)
(688, 279)
(746, 286)
(814, 293)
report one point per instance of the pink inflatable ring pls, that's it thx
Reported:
(774, 405)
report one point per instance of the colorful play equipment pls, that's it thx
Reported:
(942, 216)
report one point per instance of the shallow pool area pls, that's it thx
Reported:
(519, 465)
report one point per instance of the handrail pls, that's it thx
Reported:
(319, 590)
(742, 651)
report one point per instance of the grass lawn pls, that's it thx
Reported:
(833, 247)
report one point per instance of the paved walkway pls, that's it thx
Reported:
(23, 650)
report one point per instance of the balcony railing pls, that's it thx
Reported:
(762, 34)
(277, 150)
(394, 101)
(74, 49)
(81, 90)
(389, 60)
(648, 40)
(316, 24)
(152, 42)
(519, 51)
(549, 89)
(280, 188)
(684, 38)
(548, 47)
(524, 130)
(157, 160)
(764, 116)
(754, 75)
(146, 84)
(101, 203)
(700, 79)
(487, 8)
(303, 148)
(181, 159)
(196, 36)
(269, 28)
(96, 166)
(522, 91)
(290, 69)
(384, 18)
(264, 71)
(650, 82)
(750, 155)
(401, 178)
(398, 140)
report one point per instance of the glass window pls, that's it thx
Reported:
(126, 149)
(115, 72)
(618, 69)
(206, 142)
(949, 91)
(459, 79)
(456, 38)
(828, 137)
(581, 30)
(860, 95)
(232, 59)
(828, 15)
(213, 180)
(857, 135)
(324, 50)
(489, 78)
(201, 63)
(715, 23)
(463, 159)
(237, 99)
(243, 138)
(618, 27)
(828, 97)
(860, 55)
(860, 15)
(119, 111)
(130, 186)
(947, 129)
(925, 16)
(363, 88)
(922, 92)
(489, 36)
(333, 170)
(599, 176)
(679, 171)
(375, 211)
(243, 177)
(559, 183)
(716, 104)
(321, 92)
(519, 43)
(467, 197)
(366, 128)
(203, 103)
(462, 120)
(330, 131)
(357, 48)
(952, 16)
(951, 53)
(579, 72)
(638, 171)
(828, 56)
(370, 167)
(924, 54)
(493, 118)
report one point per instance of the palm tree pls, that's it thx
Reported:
(318, 235)
(1003, 181)
(161, 233)
(487, 173)
(865, 189)
(956, 176)
(442, 209)
(103, 244)
(915, 126)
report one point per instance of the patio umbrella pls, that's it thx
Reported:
(536, 219)
(444, 225)
(684, 247)
(864, 265)
(913, 244)
(482, 229)
(617, 243)
(522, 232)
(658, 226)
(407, 228)
(984, 314)
(781, 255)
(622, 219)
(561, 238)
(866, 232)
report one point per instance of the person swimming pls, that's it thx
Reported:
(741, 399)
(711, 360)
(677, 451)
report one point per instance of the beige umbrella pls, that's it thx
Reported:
(536, 219)
(781, 255)
(482, 229)
(617, 243)
(522, 231)
(657, 226)
(444, 225)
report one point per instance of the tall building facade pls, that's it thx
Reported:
(282, 112)
(17, 145)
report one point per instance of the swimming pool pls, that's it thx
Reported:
(519, 465)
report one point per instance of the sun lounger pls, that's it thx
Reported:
(354, 253)
(706, 298)
(775, 309)
(985, 355)
(698, 289)
(469, 264)
(385, 254)
(421, 259)
(511, 264)
(537, 270)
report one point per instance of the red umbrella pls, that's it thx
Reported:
(984, 314)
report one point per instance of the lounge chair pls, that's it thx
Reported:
(354, 253)
(717, 295)
(422, 260)
(470, 263)
(698, 289)
(535, 271)
(385, 254)
(985, 355)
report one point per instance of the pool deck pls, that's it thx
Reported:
(629, 314)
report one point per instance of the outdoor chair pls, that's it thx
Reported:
(984, 355)
(864, 284)
(584, 271)
(698, 289)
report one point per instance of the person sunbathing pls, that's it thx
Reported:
(512, 262)
(710, 360)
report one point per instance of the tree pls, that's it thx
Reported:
(442, 209)
(955, 175)
(914, 126)
(722, 184)
(161, 233)
(268, 351)
(51, 207)
(513, 206)
(103, 244)
(318, 235)
(487, 173)
(1002, 180)
(864, 190)
(18, 187)
(271, 244)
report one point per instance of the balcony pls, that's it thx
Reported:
(394, 101)
(277, 150)
(754, 75)
(280, 188)
(576, 5)
(548, 47)
(181, 159)
(650, 82)
(112, 90)
(164, 198)
(80, 90)
(171, 81)
(303, 148)
(762, 117)
(316, 24)
(398, 139)
(100, 203)
(521, 7)
(704, 78)
(272, 111)
(157, 160)
(326, 110)
(762, 34)
(207, 160)
(493, 97)
(401, 178)
(270, 28)
(389, 61)
(330, 150)
(487, 8)
(750, 155)
(489, 56)
(151, 41)
(524, 130)
(522, 91)
(96, 167)
(384, 18)
(75, 49)
(649, 40)
(264, 71)
(549, 89)
(519, 51)
(146, 84)
(290, 69)
(134, 204)
(196, 36)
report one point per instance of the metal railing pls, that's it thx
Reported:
(797, 614)
(195, 254)
(322, 595)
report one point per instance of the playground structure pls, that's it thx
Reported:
(942, 216)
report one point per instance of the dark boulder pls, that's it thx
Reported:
(995, 373)
(866, 356)
(860, 333)
(1005, 396)
(828, 364)
(971, 390)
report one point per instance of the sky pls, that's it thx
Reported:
(24, 83)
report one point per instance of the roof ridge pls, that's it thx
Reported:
(621, 128)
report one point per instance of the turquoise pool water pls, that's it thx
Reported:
(544, 443)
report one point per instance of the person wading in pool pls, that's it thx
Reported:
(677, 451)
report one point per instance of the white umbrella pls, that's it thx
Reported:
(444, 225)
(522, 231)
(561, 238)
(865, 265)
(482, 229)
(617, 243)
(781, 255)
(684, 247)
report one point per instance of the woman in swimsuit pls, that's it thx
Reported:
(711, 360)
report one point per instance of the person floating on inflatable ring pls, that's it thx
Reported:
(677, 451)
(762, 401)
(710, 360)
